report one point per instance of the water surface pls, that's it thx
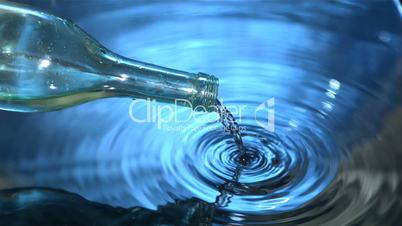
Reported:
(334, 71)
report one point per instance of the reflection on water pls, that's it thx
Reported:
(27, 206)
(334, 70)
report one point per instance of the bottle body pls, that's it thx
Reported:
(48, 63)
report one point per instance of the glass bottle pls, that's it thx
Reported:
(48, 63)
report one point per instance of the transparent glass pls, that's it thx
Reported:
(48, 63)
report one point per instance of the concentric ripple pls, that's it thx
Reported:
(284, 170)
(329, 72)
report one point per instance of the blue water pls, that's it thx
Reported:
(333, 70)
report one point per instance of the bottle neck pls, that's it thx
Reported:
(142, 80)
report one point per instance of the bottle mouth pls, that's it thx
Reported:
(207, 95)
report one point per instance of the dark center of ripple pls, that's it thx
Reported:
(247, 158)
